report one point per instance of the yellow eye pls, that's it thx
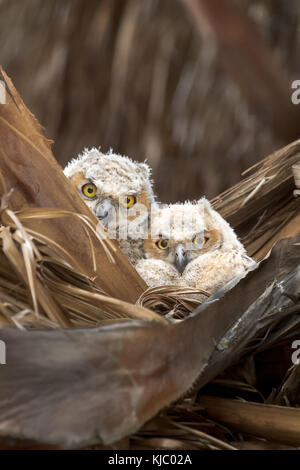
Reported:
(89, 190)
(162, 244)
(200, 240)
(128, 201)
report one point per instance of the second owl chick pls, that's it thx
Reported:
(197, 244)
(119, 192)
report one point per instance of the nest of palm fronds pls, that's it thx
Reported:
(175, 303)
(101, 344)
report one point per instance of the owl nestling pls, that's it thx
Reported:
(197, 246)
(119, 192)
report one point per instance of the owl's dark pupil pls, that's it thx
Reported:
(127, 200)
(164, 243)
(90, 190)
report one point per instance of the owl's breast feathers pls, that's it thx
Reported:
(213, 270)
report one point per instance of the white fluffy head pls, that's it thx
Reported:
(114, 174)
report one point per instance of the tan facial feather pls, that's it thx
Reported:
(214, 241)
(144, 198)
(143, 203)
(78, 179)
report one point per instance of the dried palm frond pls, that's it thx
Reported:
(183, 427)
(288, 392)
(267, 421)
(40, 289)
(187, 426)
(262, 207)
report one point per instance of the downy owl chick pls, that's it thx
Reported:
(194, 240)
(119, 192)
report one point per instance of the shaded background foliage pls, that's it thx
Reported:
(138, 76)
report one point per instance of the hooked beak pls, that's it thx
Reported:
(102, 209)
(180, 259)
